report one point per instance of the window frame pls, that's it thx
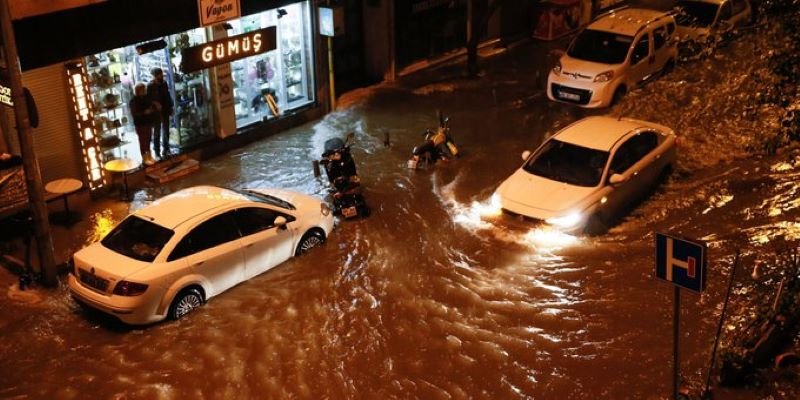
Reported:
(177, 252)
(644, 38)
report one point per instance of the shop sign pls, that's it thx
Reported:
(331, 21)
(216, 11)
(229, 49)
(5, 96)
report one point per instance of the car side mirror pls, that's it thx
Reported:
(616, 179)
(724, 25)
(526, 154)
(280, 222)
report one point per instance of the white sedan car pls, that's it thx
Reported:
(589, 173)
(168, 258)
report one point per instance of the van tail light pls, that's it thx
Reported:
(128, 288)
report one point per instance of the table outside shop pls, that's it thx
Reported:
(122, 166)
(63, 188)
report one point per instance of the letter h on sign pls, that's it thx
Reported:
(681, 262)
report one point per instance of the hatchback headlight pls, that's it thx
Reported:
(566, 221)
(604, 77)
(557, 68)
(325, 209)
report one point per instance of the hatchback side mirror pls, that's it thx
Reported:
(526, 154)
(724, 26)
(616, 179)
(280, 222)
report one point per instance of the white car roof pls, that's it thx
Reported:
(626, 21)
(599, 133)
(176, 208)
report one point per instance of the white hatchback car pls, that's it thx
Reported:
(588, 173)
(170, 257)
(614, 54)
(701, 22)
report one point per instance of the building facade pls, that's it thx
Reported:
(82, 63)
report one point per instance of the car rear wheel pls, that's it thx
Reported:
(668, 67)
(185, 302)
(310, 240)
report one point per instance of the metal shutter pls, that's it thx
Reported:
(57, 147)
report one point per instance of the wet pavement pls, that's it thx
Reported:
(429, 297)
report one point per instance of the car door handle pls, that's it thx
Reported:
(199, 263)
(249, 245)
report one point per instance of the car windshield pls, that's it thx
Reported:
(600, 46)
(568, 163)
(696, 13)
(265, 198)
(138, 238)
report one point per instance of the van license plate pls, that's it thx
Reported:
(569, 96)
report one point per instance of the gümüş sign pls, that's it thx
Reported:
(228, 49)
(216, 11)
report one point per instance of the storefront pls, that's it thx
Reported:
(266, 87)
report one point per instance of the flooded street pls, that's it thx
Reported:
(432, 297)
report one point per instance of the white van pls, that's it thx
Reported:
(615, 53)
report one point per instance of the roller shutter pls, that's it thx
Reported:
(57, 147)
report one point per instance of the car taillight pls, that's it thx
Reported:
(325, 209)
(127, 288)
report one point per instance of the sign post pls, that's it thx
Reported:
(331, 23)
(681, 262)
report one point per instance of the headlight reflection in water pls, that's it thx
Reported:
(483, 215)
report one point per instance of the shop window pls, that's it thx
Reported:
(112, 75)
(282, 76)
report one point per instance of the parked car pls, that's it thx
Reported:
(615, 53)
(703, 23)
(589, 173)
(168, 258)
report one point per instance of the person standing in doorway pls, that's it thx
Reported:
(145, 114)
(158, 90)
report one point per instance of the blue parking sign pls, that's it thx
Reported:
(681, 262)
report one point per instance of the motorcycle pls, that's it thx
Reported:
(345, 189)
(438, 145)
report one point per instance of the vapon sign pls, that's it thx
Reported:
(215, 11)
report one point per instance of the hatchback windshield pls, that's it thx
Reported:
(568, 163)
(138, 238)
(599, 46)
(696, 13)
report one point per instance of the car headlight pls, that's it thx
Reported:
(325, 209)
(604, 76)
(557, 68)
(566, 221)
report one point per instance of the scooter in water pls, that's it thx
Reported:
(345, 190)
(438, 145)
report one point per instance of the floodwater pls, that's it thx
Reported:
(431, 297)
